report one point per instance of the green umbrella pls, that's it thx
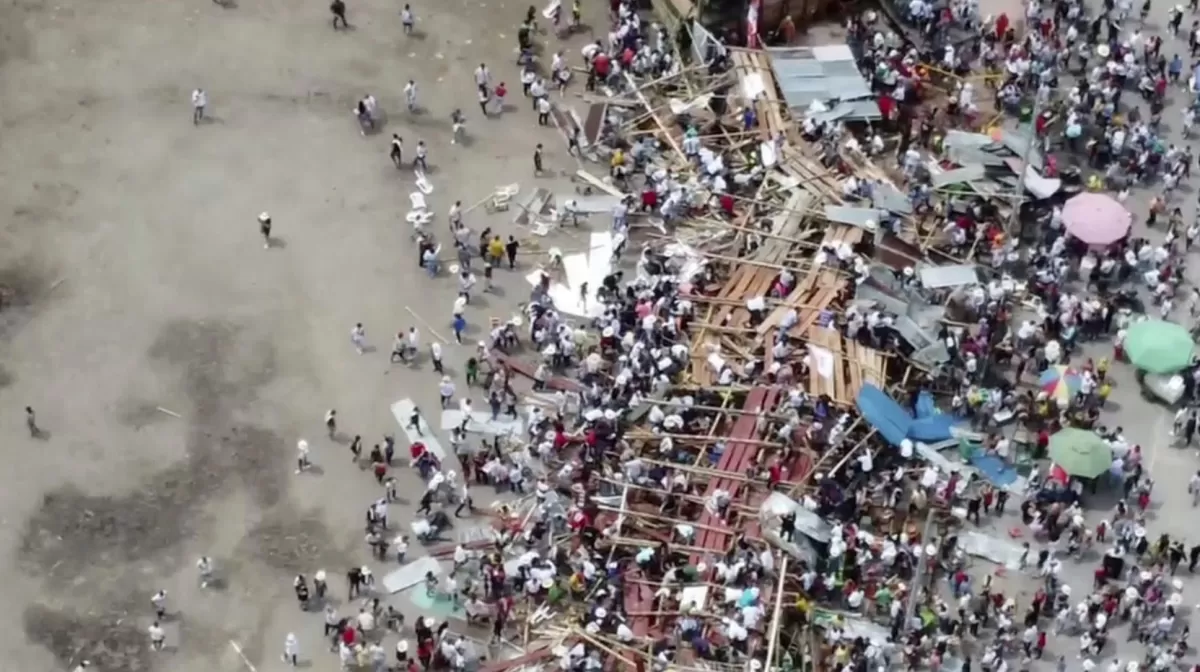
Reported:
(1080, 453)
(1156, 346)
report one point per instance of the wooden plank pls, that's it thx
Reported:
(743, 428)
(520, 366)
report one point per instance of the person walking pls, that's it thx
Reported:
(31, 422)
(303, 462)
(543, 111)
(537, 160)
(510, 249)
(291, 650)
(446, 391)
(358, 336)
(410, 96)
(407, 20)
(159, 602)
(414, 421)
(460, 324)
(331, 422)
(356, 448)
(199, 101)
(421, 159)
(465, 501)
(483, 78)
(205, 567)
(397, 152)
(264, 227)
(435, 355)
(457, 123)
(397, 348)
(338, 8)
(157, 637)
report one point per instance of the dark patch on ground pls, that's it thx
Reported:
(111, 640)
(73, 531)
(80, 539)
(295, 545)
(140, 414)
(22, 287)
(6, 378)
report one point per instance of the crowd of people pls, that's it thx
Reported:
(580, 463)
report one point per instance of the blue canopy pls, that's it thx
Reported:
(884, 414)
(931, 425)
(894, 423)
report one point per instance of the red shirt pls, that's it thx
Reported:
(727, 203)
(348, 636)
(600, 64)
(416, 450)
(500, 91)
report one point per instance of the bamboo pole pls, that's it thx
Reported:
(700, 439)
(686, 497)
(670, 138)
(773, 632)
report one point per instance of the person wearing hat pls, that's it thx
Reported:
(446, 390)
(264, 227)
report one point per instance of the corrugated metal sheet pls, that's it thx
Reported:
(956, 176)
(937, 277)
(889, 198)
(967, 140)
(819, 73)
(854, 216)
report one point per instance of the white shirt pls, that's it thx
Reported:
(366, 621)
(199, 98)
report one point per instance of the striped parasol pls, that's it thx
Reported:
(1060, 382)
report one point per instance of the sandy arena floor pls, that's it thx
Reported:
(131, 254)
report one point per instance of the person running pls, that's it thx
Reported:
(407, 20)
(397, 152)
(264, 227)
(31, 422)
(358, 336)
(331, 422)
(291, 650)
(199, 101)
(338, 9)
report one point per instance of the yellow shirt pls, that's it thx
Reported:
(618, 158)
(496, 248)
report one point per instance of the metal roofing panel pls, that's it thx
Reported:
(967, 140)
(854, 216)
(841, 111)
(833, 52)
(937, 277)
(846, 88)
(841, 69)
(889, 198)
(789, 69)
(956, 176)
(864, 109)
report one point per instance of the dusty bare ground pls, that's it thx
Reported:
(132, 279)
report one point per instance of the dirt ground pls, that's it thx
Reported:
(132, 278)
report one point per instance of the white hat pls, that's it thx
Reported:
(264, 216)
(320, 575)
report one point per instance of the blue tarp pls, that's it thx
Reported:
(895, 424)
(931, 425)
(993, 469)
(884, 414)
